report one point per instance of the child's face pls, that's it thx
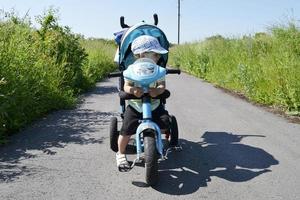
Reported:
(153, 56)
(156, 57)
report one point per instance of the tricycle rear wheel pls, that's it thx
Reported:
(113, 134)
(174, 132)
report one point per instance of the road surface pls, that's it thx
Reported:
(231, 150)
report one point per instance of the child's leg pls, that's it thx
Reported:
(121, 158)
(162, 118)
(130, 123)
(122, 143)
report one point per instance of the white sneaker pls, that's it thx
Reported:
(122, 162)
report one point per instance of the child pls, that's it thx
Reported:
(146, 49)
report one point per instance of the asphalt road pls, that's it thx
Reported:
(231, 150)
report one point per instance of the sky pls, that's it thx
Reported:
(199, 18)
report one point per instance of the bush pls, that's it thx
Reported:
(42, 69)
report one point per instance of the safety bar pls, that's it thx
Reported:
(123, 95)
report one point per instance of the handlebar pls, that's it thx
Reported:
(115, 74)
(173, 71)
(120, 73)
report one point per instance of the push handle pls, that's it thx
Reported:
(123, 25)
(122, 22)
(155, 19)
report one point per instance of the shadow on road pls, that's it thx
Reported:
(106, 90)
(56, 131)
(220, 154)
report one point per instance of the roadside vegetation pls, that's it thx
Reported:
(100, 59)
(265, 67)
(44, 69)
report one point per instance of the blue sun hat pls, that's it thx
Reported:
(147, 43)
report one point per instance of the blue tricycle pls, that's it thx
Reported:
(148, 137)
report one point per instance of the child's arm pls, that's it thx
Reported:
(129, 88)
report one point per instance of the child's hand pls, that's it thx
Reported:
(154, 92)
(138, 92)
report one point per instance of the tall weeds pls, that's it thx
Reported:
(100, 59)
(264, 67)
(43, 69)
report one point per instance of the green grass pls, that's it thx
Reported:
(264, 67)
(100, 59)
(44, 69)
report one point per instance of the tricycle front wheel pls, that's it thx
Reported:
(151, 157)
